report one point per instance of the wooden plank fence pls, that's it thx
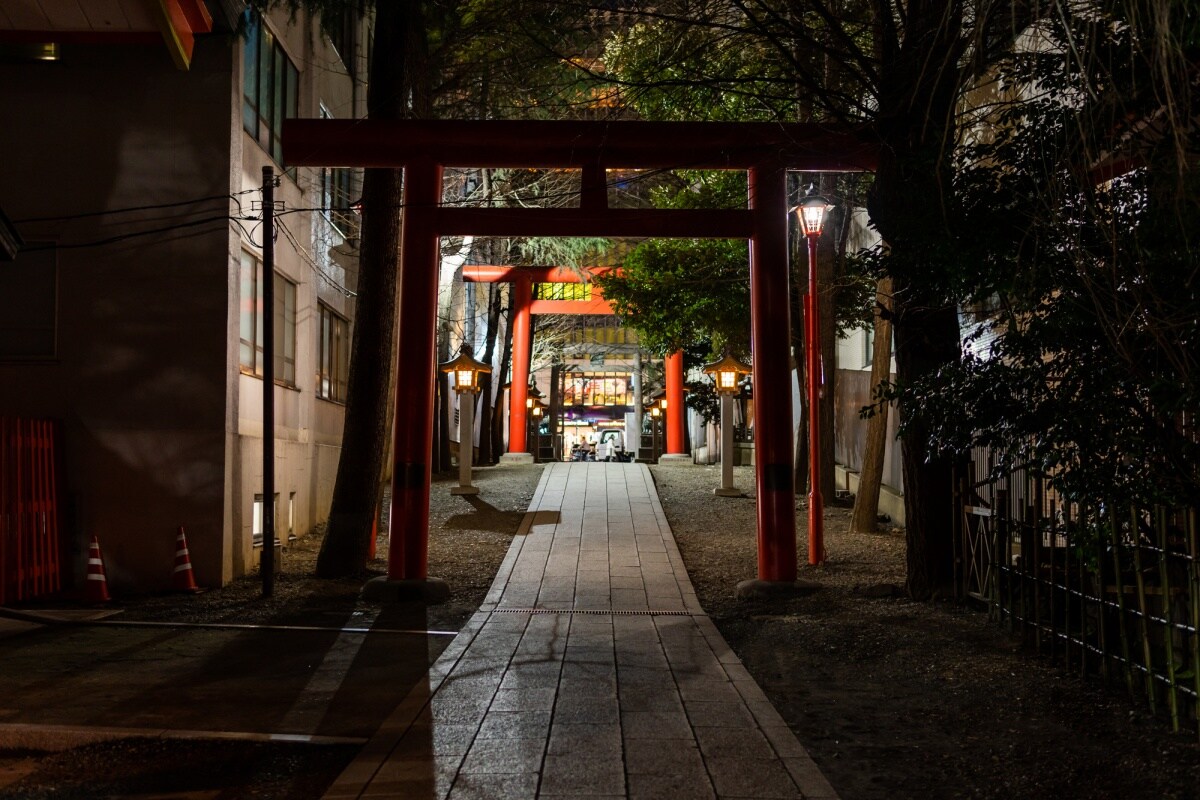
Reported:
(29, 519)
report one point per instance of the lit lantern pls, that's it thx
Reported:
(727, 373)
(812, 212)
(465, 371)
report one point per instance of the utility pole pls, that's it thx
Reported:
(267, 563)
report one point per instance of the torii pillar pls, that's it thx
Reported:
(518, 393)
(676, 446)
(424, 147)
(524, 306)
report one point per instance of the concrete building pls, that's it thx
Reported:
(133, 144)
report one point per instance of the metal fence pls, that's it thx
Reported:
(29, 533)
(1107, 592)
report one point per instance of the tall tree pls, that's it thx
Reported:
(902, 65)
(1080, 216)
(428, 58)
(396, 73)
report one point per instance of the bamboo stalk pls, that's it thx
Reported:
(994, 576)
(1065, 510)
(1004, 554)
(1031, 528)
(1169, 634)
(1143, 622)
(1083, 597)
(1194, 592)
(1101, 611)
(1053, 581)
(1122, 622)
(1026, 559)
(957, 537)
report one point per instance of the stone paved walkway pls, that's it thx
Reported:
(589, 671)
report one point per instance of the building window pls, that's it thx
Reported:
(250, 353)
(291, 517)
(341, 29)
(257, 525)
(562, 291)
(597, 389)
(270, 86)
(337, 198)
(29, 304)
(334, 356)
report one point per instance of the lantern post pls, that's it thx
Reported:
(727, 374)
(464, 377)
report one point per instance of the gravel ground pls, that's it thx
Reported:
(893, 699)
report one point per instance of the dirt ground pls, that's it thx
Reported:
(893, 699)
(896, 699)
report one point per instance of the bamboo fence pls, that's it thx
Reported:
(1107, 592)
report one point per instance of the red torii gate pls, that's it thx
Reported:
(425, 147)
(524, 307)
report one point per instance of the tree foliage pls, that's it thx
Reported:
(1084, 343)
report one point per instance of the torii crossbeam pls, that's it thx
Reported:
(424, 148)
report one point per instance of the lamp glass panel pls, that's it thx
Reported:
(464, 379)
(728, 379)
(813, 218)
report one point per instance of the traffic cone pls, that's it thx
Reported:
(183, 580)
(96, 588)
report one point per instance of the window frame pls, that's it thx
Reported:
(272, 93)
(285, 347)
(333, 354)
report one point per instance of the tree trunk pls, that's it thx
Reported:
(916, 126)
(866, 501)
(357, 489)
(555, 398)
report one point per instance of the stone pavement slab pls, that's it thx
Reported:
(590, 671)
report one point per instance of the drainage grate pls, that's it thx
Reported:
(608, 611)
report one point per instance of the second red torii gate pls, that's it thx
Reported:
(524, 307)
(425, 147)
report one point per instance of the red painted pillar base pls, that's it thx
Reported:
(771, 328)
(675, 406)
(408, 547)
(518, 419)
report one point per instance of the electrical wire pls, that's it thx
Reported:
(136, 234)
(304, 253)
(131, 209)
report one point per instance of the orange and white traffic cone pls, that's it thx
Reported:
(96, 588)
(183, 580)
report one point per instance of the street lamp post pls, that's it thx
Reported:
(811, 212)
(464, 373)
(727, 374)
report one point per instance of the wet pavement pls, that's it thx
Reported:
(589, 671)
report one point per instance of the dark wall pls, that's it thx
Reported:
(139, 376)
